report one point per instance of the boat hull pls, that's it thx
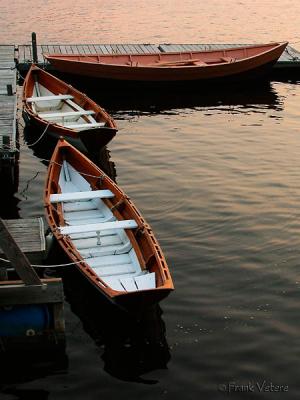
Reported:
(147, 250)
(242, 68)
(87, 140)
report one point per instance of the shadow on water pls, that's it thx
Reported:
(120, 98)
(9, 176)
(26, 365)
(43, 150)
(130, 345)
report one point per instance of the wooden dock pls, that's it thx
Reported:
(289, 59)
(20, 57)
(29, 235)
(31, 308)
(8, 103)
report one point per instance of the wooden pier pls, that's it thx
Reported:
(290, 58)
(8, 104)
(20, 57)
(29, 235)
(31, 308)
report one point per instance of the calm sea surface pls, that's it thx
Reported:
(217, 175)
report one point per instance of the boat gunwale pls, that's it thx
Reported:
(71, 250)
(68, 89)
(65, 57)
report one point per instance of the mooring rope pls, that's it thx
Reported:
(45, 130)
(48, 266)
(80, 172)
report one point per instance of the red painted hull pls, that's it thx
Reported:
(143, 241)
(87, 140)
(171, 67)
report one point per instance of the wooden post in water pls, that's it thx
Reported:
(34, 48)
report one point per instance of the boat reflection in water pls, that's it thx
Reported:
(132, 344)
(43, 149)
(123, 104)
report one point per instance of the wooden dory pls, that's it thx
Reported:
(188, 66)
(101, 230)
(58, 109)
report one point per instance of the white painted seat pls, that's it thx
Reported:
(47, 98)
(123, 224)
(88, 195)
(66, 114)
(99, 238)
(85, 126)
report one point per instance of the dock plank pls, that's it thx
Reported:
(290, 58)
(29, 234)
(74, 48)
(92, 49)
(8, 103)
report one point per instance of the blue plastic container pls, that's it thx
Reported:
(24, 320)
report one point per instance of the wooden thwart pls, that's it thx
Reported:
(123, 224)
(47, 98)
(77, 196)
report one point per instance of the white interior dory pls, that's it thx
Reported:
(61, 109)
(100, 239)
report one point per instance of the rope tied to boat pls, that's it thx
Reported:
(100, 177)
(48, 266)
(42, 135)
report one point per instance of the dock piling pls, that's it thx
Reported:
(34, 48)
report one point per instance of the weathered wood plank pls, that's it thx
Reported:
(86, 49)
(28, 53)
(99, 49)
(28, 233)
(17, 258)
(75, 49)
(68, 48)
(8, 107)
(16, 292)
(92, 49)
(45, 49)
(56, 48)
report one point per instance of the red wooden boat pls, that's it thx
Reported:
(58, 109)
(175, 67)
(102, 232)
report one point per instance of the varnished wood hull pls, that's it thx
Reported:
(172, 67)
(142, 238)
(87, 140)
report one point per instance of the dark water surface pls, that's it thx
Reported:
(216, 174)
